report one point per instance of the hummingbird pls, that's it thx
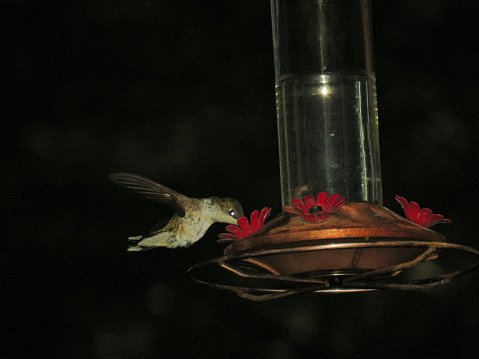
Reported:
(192, 218)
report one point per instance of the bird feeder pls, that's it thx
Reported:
(328, 144)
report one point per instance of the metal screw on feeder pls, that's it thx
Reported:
(328, 143)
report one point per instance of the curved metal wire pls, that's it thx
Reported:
(332, 281)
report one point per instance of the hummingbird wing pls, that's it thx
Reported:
(160, 225)
(152, 190)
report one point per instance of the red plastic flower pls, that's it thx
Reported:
(424, 216)
(245, 229)
(310, 209)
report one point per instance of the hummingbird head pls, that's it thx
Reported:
(229, 210)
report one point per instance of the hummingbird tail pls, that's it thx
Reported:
(135, 240)
(134, 247)
(140, 243)
(133, 244)
(138, 248)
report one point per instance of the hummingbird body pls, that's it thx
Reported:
(192, 219)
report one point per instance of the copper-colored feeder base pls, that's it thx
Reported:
(357, 248)
(357, 223)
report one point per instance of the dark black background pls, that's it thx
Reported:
(183, 92)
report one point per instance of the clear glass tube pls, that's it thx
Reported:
(326, 99)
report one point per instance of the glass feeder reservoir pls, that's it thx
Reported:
(329, 146)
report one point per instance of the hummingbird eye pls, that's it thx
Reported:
(232, 213)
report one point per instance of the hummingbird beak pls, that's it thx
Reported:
(232, 220)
